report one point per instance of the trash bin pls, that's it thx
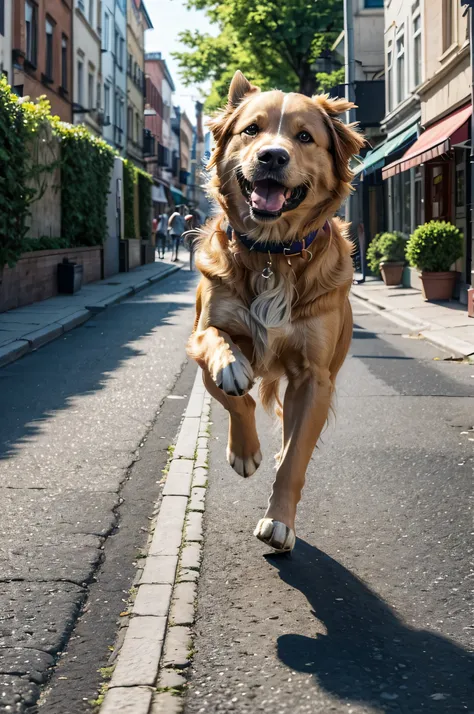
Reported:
(69, 277)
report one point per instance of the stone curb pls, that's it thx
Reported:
(430, 332)
(157, 646)
(33, 340)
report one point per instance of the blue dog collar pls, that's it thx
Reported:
(295, 248)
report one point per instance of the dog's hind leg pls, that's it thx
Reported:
(305, 410)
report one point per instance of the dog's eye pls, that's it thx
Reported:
(305, 137)
(251, 130)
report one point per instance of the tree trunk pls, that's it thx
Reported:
(307, 80)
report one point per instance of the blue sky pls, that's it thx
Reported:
(169, 17)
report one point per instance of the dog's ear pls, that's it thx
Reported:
(239, 88)
(345, 141)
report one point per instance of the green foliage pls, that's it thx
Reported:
(27, 132)
(129, 181)
(275, 44)
(136, 186)
(86, 167)
(435, 246)
(145, 183)
(327, 80)
(386, 248)
(22, 127)
(44, 243)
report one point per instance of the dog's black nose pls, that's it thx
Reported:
(273, 157)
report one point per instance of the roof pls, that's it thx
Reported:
(146, 16)
(376, 158)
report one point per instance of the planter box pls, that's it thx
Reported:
(148, 252)
(35, 275)
(134, 252)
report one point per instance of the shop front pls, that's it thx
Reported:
(431, 181)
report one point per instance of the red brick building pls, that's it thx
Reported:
(42, 52)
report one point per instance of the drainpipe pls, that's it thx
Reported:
(469, 247)
(349, 59)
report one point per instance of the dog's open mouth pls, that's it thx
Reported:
(268, 198)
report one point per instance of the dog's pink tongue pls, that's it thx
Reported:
(268, 196)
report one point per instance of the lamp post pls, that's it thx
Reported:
(469, 7)
(349, 59)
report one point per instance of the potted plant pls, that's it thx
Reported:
(432, 249)
(386, 256)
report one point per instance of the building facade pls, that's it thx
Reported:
(42, 52)
(87, 85)
(6, 32)
(114, 73)
(137, 23)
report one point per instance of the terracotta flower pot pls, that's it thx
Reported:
(438, 286)
(392, 272)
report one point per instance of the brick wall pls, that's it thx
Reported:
(34, 277)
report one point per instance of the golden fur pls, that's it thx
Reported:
(297, 323)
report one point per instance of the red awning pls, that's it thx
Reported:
(435, 141)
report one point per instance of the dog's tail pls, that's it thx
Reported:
(269, 391)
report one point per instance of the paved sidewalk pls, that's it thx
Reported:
(445, 324)
(27, 328)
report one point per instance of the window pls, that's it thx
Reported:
(64, 62)
(97, 103)
(417, 50)
(80, 82)
(390, 77)
(400, 69)
(31, 23)
(107, 101)
(137, 128)
(448, 23)
(90, 91)
(49, 49)
(129, 65)
(130, 123)
(91, 13)
(2, 17)
(373, 3)
(105, 36)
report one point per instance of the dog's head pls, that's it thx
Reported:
(280, 160)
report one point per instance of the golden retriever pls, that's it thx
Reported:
(276, 273)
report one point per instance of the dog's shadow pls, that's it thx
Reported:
(369, 656)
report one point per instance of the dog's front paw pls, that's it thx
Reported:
(244, 465)
(231, 371)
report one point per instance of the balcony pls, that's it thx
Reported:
(370, 101)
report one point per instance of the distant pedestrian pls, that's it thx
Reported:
(193, 221)
(161, 234)
(177, 226)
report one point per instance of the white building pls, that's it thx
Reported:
(6, 32)
(114, 72)
(87, 65)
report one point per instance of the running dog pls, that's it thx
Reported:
(276, 273)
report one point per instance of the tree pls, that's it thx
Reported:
(275, 44)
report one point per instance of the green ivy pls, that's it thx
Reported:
(136, 183)
(145, 182)
(44, 243)
(20, 122)
(435, 246)
(86, 168)
(129, 181)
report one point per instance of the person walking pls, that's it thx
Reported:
(177, 226)
(162, 232)
(193, 221)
